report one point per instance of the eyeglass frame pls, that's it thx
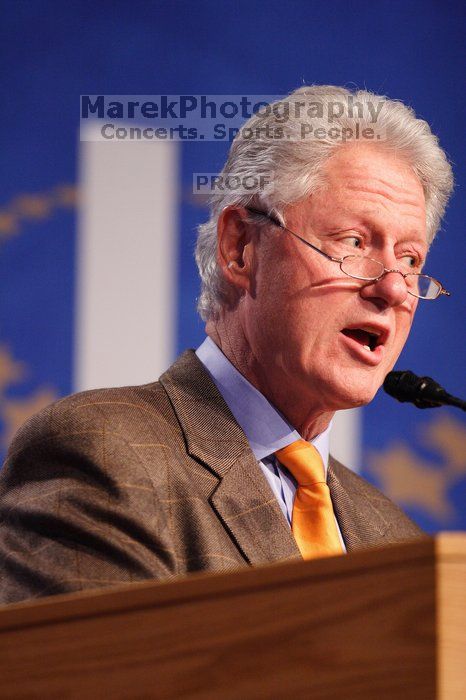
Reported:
(340, 261)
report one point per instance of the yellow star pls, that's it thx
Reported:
(66, 196)
(30, 206)
(10, 370)
(448, 437)
(15, 412)
(8, 224)
(410, 481)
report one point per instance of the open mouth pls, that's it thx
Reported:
(369, 340)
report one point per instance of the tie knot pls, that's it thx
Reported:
(303, 461)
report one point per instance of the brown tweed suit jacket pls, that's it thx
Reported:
(149, 482)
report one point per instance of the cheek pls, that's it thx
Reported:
(403, 326)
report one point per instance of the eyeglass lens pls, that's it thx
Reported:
(368, 269)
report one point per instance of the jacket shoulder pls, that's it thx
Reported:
(83, 492)
(131, 412)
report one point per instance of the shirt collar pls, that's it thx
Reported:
(264, 426)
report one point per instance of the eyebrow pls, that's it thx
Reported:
(412, 234)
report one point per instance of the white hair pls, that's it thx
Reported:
(290, 167)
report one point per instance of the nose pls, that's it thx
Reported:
(389, 290)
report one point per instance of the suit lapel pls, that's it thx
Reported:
(242, 500)
(251, 513)
(361, 523)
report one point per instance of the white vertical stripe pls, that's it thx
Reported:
(345, 438)
(127, 259)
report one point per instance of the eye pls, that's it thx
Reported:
(411, 261)
(346, 241)
(353, 241)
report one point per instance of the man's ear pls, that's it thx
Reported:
(235, 247)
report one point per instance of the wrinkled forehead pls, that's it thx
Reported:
(361, 165)
(370, 183)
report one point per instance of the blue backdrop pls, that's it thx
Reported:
(50, 53)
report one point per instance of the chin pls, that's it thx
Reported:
(347, 394)
(354, 401)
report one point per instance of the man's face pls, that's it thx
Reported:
(306, 323)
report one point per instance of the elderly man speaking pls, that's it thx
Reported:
(309, 289)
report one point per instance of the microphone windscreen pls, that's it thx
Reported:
(402, 385)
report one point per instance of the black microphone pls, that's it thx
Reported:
(423, 392)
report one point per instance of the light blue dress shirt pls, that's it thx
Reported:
(265, 428)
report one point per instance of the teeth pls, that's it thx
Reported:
(367, 348)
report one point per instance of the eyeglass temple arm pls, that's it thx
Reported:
(278, 223)
(296, 235)
(270, 217)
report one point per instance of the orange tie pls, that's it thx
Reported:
(313, 522)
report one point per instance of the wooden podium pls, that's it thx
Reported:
(384, 623)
